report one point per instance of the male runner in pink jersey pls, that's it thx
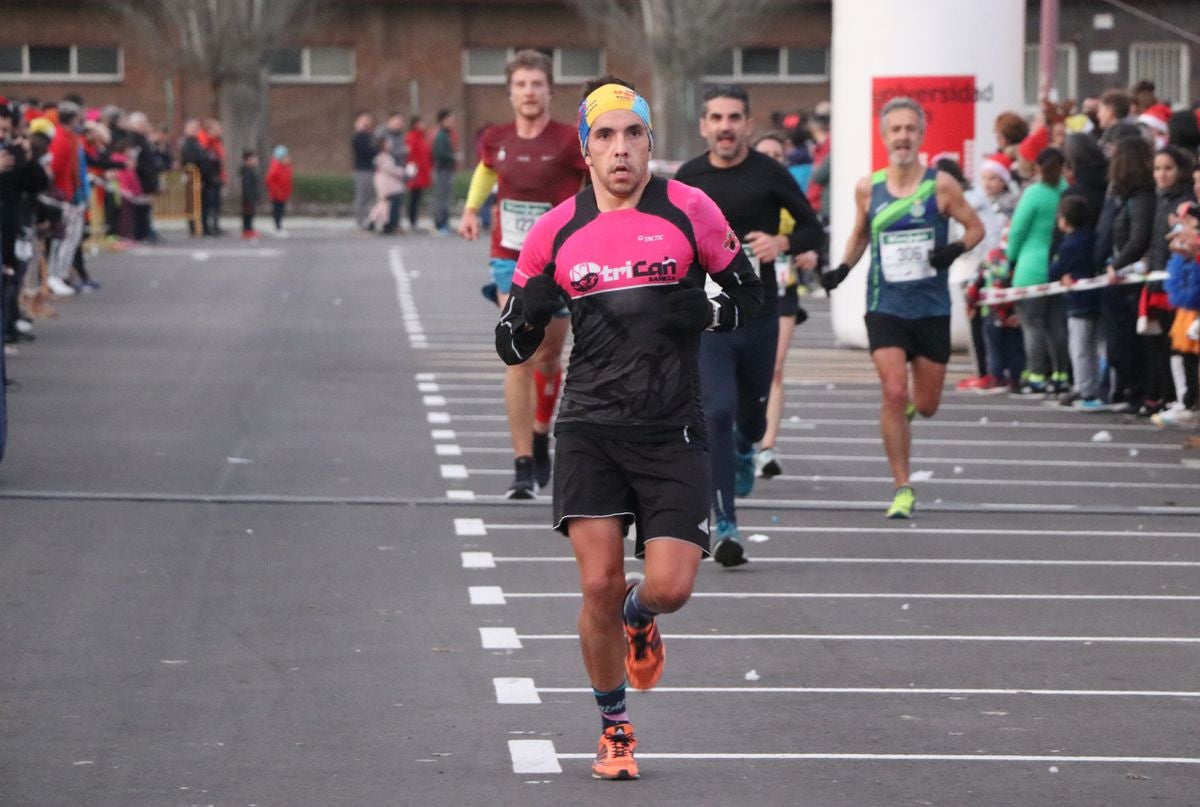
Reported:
(629, 256)
(537, 163)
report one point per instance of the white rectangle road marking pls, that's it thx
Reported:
(447, 450)
(499, 639)
(428, 386)
(461, 495)
(469, 526)
(426, 376)
(478, 560)
(442, 434)
(515, 690)
(454, 472)
(434, 400)
(533, 756)
(486, 595)
(437, 417)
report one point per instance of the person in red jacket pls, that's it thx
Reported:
(420, 166)
(279, 184)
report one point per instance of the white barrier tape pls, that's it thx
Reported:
(994, 296)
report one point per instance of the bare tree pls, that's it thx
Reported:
(679, 37)
(228, 43)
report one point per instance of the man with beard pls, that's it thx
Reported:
(903, 215)
(537, 163)
(736, 368)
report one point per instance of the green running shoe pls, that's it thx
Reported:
(910, 411)
(903, 504)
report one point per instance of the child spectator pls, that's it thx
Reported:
(993, 201)
(279, 185)
(251, 192)
(1001, 328)
(1073, 261)
(1183, 292)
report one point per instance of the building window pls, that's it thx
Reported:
(61, 63)
(769, 65)
(570, 65)
(1065, 72)
(313, 65)
(1164, 63)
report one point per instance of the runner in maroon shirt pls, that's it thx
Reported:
(537, 164)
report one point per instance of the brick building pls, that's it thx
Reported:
(416, 56)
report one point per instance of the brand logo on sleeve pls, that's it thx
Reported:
(731, 241)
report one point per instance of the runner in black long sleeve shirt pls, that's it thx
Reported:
(736, 368)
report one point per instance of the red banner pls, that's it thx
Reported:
(949, 103)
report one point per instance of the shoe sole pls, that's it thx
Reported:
(729, 553)
(899, 514)
(657, 674)
(771, 469)
(520, 493)
(621, 776)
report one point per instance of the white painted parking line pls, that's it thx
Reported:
(897, 561)
(884, 637)
(454, 472)
(437, 417)
(461, 495)
(486, 595)
(996, 482)
(443, 434)
(516, 690)
(434, 400)
(478, 560)
(447, 450)
(972, 443)
(872, 530)
(469, 526)
(426, 376)
(936, 691)
(904, 758)
(865, 595)
(428, 386)
(533, 756)
(499, 639)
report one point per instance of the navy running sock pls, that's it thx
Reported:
(612, 706)
(636, 614)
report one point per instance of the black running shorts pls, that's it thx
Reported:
(663, 487)
(927, 336)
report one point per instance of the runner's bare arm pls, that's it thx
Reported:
(860, 236)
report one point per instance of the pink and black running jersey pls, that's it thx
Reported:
(631, 376)
(534, 174)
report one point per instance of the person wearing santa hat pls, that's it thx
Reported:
(1154, 123)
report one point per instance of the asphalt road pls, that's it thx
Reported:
(253, 552)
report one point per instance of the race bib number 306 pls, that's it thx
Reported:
(516, 218)
(904, 255)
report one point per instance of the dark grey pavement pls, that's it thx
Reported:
(253, 552)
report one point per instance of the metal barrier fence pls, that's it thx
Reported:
(178, 199)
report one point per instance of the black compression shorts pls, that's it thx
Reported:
(926, 336)
(663, 487)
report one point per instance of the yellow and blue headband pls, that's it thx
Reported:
(606, 98)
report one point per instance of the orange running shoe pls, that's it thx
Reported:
(644, 656)
(614, 756)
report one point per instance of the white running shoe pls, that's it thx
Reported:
(59, 287)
